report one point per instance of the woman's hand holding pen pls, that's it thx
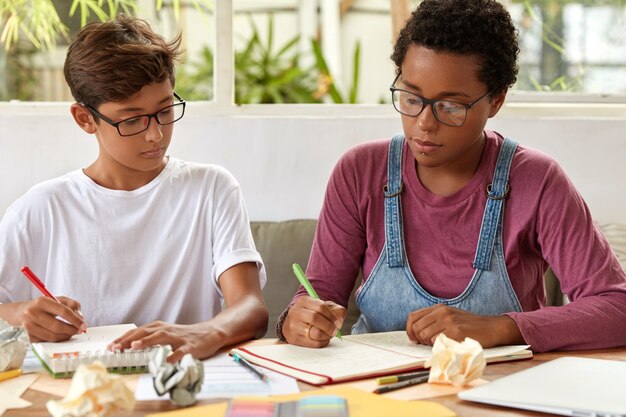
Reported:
(424, 325)
(312, 323)
(43, 318)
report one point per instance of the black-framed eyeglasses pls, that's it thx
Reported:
(450, 113)
(137, 124)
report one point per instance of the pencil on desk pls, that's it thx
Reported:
(10, 374)
(401, 384)
(241, 361)
(401, 377)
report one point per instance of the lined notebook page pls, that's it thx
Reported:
(95, 340)
(398, 341)
(353, 356)
(356, 356)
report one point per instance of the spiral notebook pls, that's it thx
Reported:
(63, 358)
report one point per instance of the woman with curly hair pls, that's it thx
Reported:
(453, 226)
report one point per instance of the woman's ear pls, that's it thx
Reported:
(497, 100)
(83, 118)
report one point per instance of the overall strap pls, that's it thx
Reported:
(393, 208)
(497, 192)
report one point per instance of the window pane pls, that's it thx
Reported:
(273, 57)
(32, 73)
(194, 76)
(315, 48)
(575, 46)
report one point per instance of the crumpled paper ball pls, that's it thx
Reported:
(182, 380)
(13, 344)
(93, 393)
(455, 363)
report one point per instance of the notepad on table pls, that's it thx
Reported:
(61, 359)
(356, 357)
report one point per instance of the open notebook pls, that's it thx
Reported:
(569, 386)
(63, 358)
(356, 357)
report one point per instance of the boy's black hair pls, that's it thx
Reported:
(481, 28)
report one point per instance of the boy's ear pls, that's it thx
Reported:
(83, 118)
(497, 100)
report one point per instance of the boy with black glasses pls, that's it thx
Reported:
(137, 236)
(453, 226)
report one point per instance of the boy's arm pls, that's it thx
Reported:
(20, 243)
(244, 318)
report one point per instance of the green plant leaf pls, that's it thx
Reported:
(356, 64)
(270, 34)
(322, 66)
(288, 46)
(10, 31)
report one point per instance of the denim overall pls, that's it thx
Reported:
(392, 292)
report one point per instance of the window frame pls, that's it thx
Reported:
(518, 104)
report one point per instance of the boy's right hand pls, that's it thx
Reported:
(43, 319)
(312, 323)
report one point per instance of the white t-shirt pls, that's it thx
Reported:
(155, 253)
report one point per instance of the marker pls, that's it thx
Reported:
(10, 374)
(41, 287)
(401, 384)
(241, 361)
(308, 287)
(401, 377)
(37, 282)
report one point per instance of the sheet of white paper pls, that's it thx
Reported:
(31, 363)
(12, 389)
(399, 342)
(224, 378)
(94, 340)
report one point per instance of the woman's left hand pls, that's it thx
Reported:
(423, 326)
(183, 339)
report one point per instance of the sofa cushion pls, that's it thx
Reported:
(281, 244)
(616, 235)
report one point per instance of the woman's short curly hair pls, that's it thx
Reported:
(468, 27)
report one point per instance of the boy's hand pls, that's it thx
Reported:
(49, 321)
(183, 339)
(423, 326)
(312, 323)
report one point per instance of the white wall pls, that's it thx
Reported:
(283, 162)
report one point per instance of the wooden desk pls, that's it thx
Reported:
(462, 408)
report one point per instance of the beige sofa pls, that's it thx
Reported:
(283, 243)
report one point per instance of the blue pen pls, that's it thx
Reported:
(241, 361)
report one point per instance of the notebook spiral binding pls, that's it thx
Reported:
(130, 361)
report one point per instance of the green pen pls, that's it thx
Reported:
(308, 287)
